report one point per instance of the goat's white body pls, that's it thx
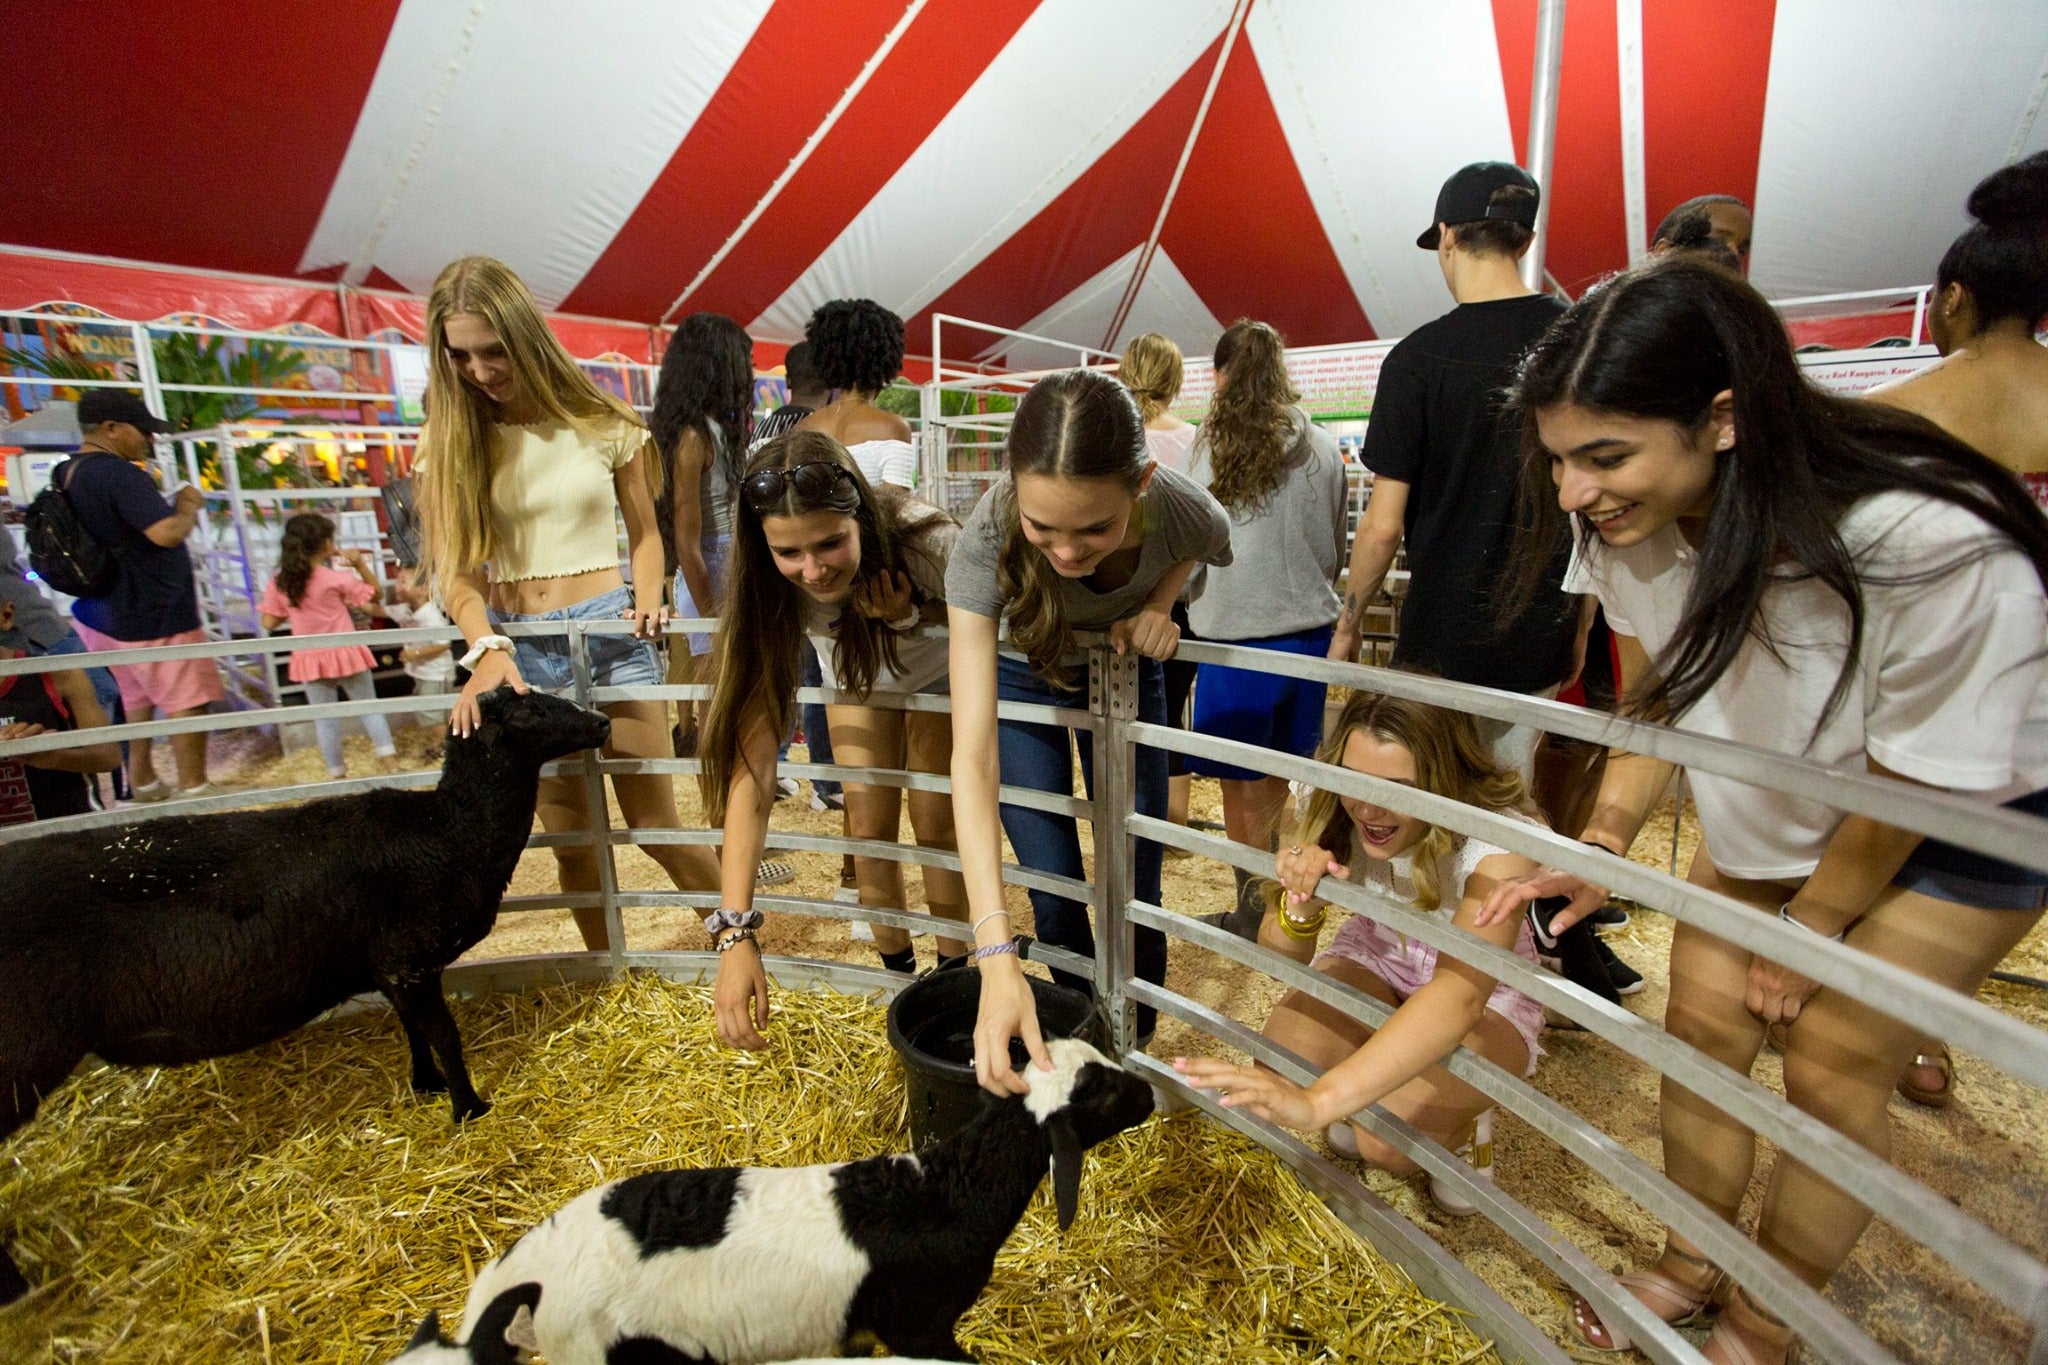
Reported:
(776, 1286)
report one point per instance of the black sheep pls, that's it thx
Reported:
(186, 937)
(732, 1266)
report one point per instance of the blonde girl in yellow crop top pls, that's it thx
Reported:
(523, 467)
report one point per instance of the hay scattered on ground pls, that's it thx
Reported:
(297, 1203)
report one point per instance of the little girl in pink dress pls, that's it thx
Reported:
(315, 597)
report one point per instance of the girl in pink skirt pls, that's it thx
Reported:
(315, 597)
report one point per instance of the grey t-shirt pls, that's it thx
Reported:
(1293, 543)
(1182, 523)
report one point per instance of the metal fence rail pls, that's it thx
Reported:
(2007, 1272)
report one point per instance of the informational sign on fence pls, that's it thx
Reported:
(409, 377)
(1852, 372)
(1336, 382)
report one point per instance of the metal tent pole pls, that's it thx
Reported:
(1543, 126)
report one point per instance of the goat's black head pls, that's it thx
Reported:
(1083, 1100)
(503, 1335)
(537, 727)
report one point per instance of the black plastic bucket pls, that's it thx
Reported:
(931, 1026)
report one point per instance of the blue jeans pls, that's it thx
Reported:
(615, 660)
(1038, 757)
(817, 734)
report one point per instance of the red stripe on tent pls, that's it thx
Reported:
(1273, 260)
(800, 59)
(1588, 216)
(1104, 213)
(1704, 72)
(172, 133)
(935, 62)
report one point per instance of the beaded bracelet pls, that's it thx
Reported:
(739, 936)
(1302, 930)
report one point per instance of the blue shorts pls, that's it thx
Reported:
(615, 660)
(1270, 710)
(1953, 874)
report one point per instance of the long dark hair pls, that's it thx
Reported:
(761, 640)
(1661, 342)
(707, 380)
(1250, 430)
(2002, 258)
(305, 536)
(1078, 424)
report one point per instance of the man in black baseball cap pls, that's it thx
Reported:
(1485, 191)
(123, 406)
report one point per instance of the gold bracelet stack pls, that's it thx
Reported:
(1303, 930)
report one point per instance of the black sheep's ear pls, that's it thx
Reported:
(428, 1332)
(1066, 1168)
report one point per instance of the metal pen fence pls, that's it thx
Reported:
(2008, 1273)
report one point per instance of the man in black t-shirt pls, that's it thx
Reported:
(1445, 462)
(153, 600)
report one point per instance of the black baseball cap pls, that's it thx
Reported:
(1467, 197)
(118, 405)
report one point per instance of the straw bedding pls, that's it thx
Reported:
(297, 1203)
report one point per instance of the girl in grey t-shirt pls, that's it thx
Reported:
(1086, 533)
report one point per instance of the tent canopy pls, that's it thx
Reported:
(1084, 169)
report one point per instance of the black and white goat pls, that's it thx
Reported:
(186, 937)
(738, 1265)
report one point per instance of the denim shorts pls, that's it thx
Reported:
(1948, 873)
(615, 660)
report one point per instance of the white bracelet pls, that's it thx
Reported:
(1785, 914)
(484, 643)
(910, 622)
(975, 930)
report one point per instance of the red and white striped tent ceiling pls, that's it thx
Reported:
(1085, 169)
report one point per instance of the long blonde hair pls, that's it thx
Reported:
(1450, 761)
(1250, 431)
(1077, 424)
(457, 447)
(1151, 370)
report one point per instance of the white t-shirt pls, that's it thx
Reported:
(440, 668)
(1172, 448)
(1951, 687)
(886, 461)
(921, 659)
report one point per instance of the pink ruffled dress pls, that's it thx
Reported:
(323, 610)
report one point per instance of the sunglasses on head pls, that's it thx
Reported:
(815, 481)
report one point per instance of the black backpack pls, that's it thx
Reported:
(63, 553)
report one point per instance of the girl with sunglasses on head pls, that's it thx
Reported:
(524, 468)
(1825, 577)
(1085, 532)
(825, 561)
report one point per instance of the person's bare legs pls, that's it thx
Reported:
(928, 745)
(563, 810)
(1436, 1102)
(1706, 1153)
(141, 752)
(1252, 809)
(872, 737)
(648, 801)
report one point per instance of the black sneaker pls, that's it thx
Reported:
(1236, 921)
(1609, 916)
(1573, 954)
(1625, 979)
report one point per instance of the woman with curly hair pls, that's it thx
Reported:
(826, 564)
(857, 351)
(1280, 478)
(525, 467)
(703, 412)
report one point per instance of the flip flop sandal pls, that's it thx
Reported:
(1660, 1294)
(1941, 1061)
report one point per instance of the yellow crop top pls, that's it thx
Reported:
(553, 508)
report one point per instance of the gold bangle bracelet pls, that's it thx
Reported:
(1302, 930)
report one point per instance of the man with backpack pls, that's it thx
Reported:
(151, 600)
